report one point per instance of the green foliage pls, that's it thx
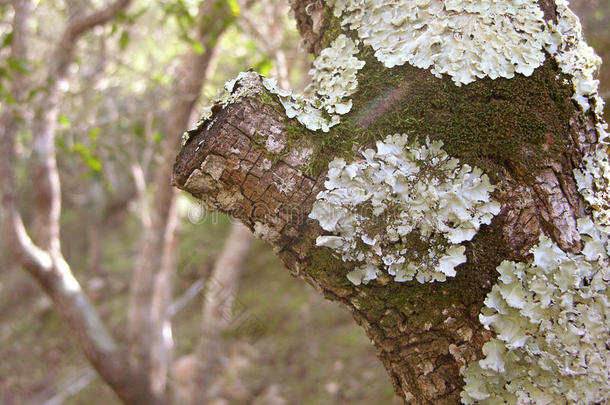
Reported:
(179, 11)
(197, 47)
(234, 6)
(64, 121)
(264, 67)
(7, 40)
(86, 154)
(124, 40)
(15, 66)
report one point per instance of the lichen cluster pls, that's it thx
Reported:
(579, 60)
(552, 324)
(333, 81)
(464, 39)
(551, 316)
(405, 208)
(593, 180)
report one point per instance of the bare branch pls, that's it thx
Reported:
(45, 229)
(80, 25)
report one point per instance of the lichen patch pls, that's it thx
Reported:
(576, 58)
(464, 39)
(333, 81)
(552, 322)
(404, 209)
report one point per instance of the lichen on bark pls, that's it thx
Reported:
(528, 134)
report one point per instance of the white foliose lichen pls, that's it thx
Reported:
(593, 181)
(579, 60)
(552, 316)
(404, 209)
(466, 39)
(333, 81)
(552, 320)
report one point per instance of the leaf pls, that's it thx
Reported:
(87, 156)
(8, 40)
(94, 133)
(93, 163)
(4, 73)
(198, 47)
(264, 67)
(124, 40)
(234, 6)
(10, 100)
(157, 137)
(63, 120)
(18, 65)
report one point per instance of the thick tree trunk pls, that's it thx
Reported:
(525, 133)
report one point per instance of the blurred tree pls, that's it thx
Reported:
(149, 332)
(139, 377)
(42, 257)
(263, 157)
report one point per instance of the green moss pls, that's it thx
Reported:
(494, 124)
(332, 30)
(324, 264)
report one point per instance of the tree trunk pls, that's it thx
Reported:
(527, 124)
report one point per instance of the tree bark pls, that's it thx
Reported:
(47, 203)
(425, 334)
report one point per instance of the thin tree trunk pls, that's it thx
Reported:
(217, 312)
(150, 295)
(45, 262)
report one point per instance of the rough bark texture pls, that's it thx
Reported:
(425, 334)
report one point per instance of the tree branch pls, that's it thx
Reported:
(80, 25)
(247, 160)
